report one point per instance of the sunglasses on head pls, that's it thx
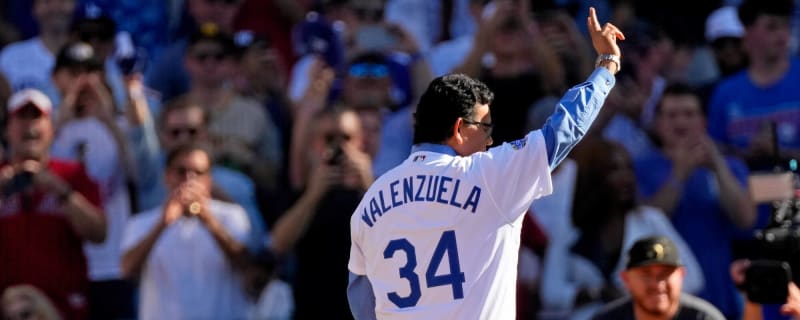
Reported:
(373, 70)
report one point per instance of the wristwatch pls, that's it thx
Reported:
(610, 57)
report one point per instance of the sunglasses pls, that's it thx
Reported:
(205, 56)
(228, 2)
(372, 70)
(177, 132)
(369, 14)
(336, 137)
(184, 171)
(21, 315)
(487, 127)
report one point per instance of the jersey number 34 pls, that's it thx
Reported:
(446, 246)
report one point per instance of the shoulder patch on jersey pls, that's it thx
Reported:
(518, 144)
(419, 158)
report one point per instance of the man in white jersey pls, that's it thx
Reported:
(438, 236)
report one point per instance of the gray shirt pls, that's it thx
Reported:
(691, 308)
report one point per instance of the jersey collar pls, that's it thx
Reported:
(432, 147)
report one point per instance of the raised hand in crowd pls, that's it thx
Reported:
(87, 96)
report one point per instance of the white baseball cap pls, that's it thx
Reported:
(724, 22)
(29, 96)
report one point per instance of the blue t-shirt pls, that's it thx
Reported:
(739, 109)
(701, 221)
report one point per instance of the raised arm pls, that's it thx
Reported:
(579, 107)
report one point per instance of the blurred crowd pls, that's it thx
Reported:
(200, 159)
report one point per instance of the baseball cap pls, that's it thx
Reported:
(92, 22)
(78, 55)
(651, 251)
(210, 32)
(723, 22)
(26, 97)
(315, 35)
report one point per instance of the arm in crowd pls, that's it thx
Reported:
(313, 100)
(82, 210)
(291, 225)
(86, 218)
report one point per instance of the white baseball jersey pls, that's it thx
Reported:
(438, 236)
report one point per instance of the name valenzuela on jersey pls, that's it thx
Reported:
(421, 188)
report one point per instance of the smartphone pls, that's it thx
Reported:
(767, 281)
(18, 183)
(375, 38)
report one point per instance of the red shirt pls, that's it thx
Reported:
(38, 245)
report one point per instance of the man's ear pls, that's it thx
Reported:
(624, 276)
(457, 131)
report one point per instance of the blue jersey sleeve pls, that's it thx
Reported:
(360, 297)
(574, 115)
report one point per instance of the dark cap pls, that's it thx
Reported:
(653, 250)
(92, 22)
(78, 55)
(210, 32)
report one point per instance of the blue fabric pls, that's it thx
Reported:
(701, 220)
(432, 147)
(145, 20)
(739, 109)
(168, 75)
(574, 115)
(397, 137)
(361, 298)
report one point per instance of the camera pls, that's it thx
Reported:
(335, 154)
(778, 244)
(375, 38)
(18, 183)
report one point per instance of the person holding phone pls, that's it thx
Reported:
(48, 209)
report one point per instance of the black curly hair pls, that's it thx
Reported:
(446, 99)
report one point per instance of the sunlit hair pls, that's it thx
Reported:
(41, 306)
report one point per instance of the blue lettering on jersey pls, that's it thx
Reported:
(438, 189)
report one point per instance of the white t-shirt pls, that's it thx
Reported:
(438, 236)
(102, 160)
(187, 275)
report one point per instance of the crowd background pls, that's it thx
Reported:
(298, 105)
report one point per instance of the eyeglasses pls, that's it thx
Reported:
(336, 137)
(204, 56)
(177, 132)
(21, 315)
(373, 70)
(228, 2)
(184, 171)
(487, 127)
(369, 14)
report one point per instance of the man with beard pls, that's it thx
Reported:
(654, 279)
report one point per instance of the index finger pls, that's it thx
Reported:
(594, 24)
